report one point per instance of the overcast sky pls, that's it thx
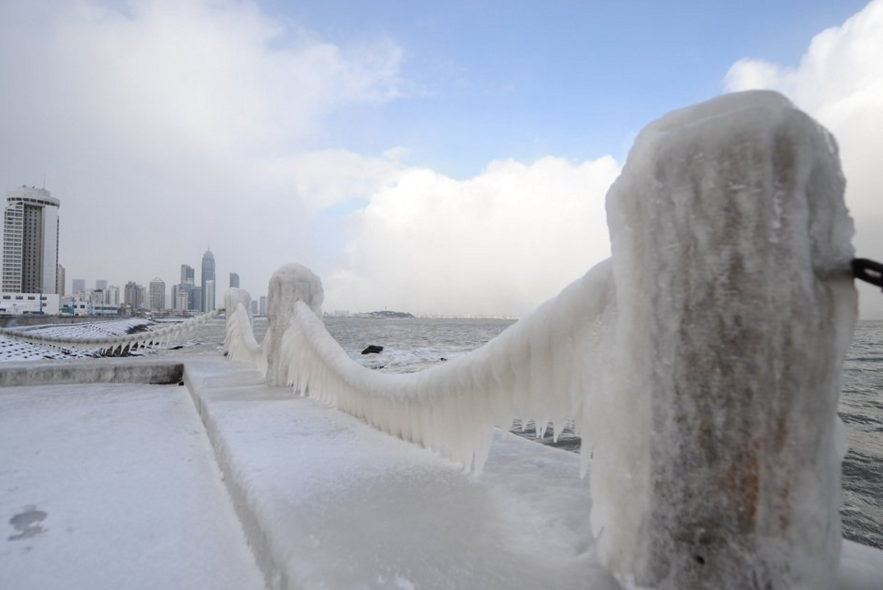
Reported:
(432, 157)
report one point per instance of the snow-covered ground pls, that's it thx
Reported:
(12, 349)
(109, 486)
(119, 486)
(330, 502)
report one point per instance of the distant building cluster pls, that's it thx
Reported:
(33, 280)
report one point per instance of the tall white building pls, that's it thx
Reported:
(208, 274)
(112, 296)
(157, 294)
(30, 241)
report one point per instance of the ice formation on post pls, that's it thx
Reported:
(731, 251)
(236, 297)
(290, 284)
(701, 364)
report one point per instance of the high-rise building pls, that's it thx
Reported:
(157, 294)
(210, 295)
(61, 281)
(234, 280)
(101, 285)
(112, 295)
(263, 308)
(78, 286)
(132, 295)
(30, 241)
(181, 297)
(208, 274)
(183, 294)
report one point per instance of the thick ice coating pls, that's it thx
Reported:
(288, 285)
(540, 368)
(731, 251)
(701, 364)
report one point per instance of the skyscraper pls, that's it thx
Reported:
(157, 294)
(101, 285)
(112, 295)
(132, 295)
(234, 280)
(208, 274)
(184, 293)
(210, 295)
(78, 286)
(61, 280)
(30, 241)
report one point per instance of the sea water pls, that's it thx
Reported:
(861, 408)
(411, 345)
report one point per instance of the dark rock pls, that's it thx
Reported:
(372, 349)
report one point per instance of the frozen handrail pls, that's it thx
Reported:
(115, 344)
(539, 368)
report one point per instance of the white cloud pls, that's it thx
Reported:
(499, 243)
(839, 81)
(164, 126)
(218, 75)
(324, 178)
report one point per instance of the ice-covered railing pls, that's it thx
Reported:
(701, 363)
(539, 369)
(116, 345)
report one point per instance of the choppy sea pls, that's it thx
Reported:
(416, 344)
(861, 408)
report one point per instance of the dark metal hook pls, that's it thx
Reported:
(868, 271)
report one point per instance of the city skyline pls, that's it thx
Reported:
(187, 276)
(433, 158)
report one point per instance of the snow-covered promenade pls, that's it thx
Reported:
(119, 485)
(112, 485)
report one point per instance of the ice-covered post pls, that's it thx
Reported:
(731, 250)
(289, 284)
(233, 298)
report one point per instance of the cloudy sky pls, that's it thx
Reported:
(433, 157)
